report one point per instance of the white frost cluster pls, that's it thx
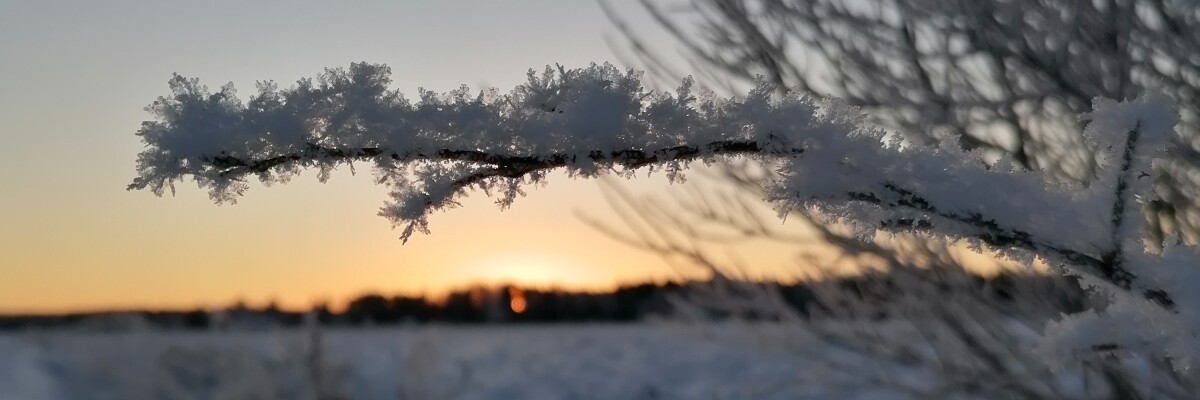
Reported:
(587, 121)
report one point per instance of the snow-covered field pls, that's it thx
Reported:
(646, 361)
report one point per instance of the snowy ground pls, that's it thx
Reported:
(447, 362)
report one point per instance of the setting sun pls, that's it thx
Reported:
(516, 300)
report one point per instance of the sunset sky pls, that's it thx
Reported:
(75, 77)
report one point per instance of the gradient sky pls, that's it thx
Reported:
(75, 77)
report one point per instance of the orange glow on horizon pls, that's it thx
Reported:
(516, 299)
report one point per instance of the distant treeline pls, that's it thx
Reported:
(505, 304)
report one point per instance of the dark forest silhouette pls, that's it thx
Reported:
(495, 304)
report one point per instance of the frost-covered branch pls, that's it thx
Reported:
(587, 121)
(597, 119)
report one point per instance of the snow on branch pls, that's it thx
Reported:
(599, 119)
(430, 150)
